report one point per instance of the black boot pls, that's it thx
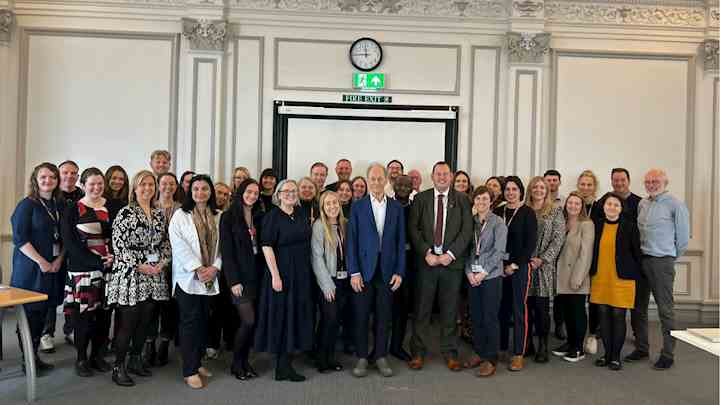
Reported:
(97, 359)
(162, 353)
(149, 354)
(285, 372)
(530, 349)
(82, 368)
(541, 356)
(135, 366)
(322, 362)
(120, 375)
(332, 362)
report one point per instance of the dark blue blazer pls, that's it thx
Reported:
(363, 244)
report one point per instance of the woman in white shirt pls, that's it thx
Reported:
(196, 263)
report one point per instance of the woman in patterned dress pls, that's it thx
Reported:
(86, 232)
(138, 281)
(550, 239)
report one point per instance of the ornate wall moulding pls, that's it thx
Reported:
(415, 8)
(7, 24)
(528, 8)
(205, 35)
(625, 14)
(524, 47)
(710, 56)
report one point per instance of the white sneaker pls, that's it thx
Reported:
(211, 354)
(46, 344)
(591, 344)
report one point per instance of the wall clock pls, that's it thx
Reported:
(366, 54)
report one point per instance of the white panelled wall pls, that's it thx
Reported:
(107, 82)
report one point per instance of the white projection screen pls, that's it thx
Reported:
(416, 138)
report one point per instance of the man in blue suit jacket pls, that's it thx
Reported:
(376, 262)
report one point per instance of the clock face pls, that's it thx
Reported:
(366, 54)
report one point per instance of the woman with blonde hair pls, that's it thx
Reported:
(308, 195)
(240, 174)
(328, 261)
(587, 186)
(550, 239)
(138, 280)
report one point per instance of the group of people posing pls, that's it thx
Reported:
(290, 267)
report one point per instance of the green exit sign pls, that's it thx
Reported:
(369, 81)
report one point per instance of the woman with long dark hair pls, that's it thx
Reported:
(521, 242)
(243, 265)
(194, 235)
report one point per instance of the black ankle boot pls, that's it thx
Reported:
(82, 368)
(149, 354)
(120, 375)
(162, 353)
(322, 362)
(541, 355)
(135, 366)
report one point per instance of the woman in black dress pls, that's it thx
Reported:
(286, 304)
(243, 265)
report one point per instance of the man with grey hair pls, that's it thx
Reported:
(375, 250)
(664, 226)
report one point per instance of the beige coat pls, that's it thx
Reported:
(575, 259)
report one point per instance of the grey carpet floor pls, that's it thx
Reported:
(693, 380)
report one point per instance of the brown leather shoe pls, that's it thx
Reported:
(416, 363)
(486, 369)
(194, 382)
(517, 363)
(453, 364)
(473, 361)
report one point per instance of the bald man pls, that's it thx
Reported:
(664, 224)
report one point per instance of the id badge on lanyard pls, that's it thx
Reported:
(341, 273)
(154, 256)
(253, 234)
(476, 267)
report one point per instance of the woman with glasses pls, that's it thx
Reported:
(286, 305)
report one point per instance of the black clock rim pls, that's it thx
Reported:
(377, 65)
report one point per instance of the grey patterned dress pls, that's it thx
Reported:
(135, 238)
(551, 236)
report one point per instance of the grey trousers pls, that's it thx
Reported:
(660, 273)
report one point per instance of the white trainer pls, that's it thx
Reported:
(46, 344)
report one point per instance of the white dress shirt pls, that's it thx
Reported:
(436, 193)
(379, 208)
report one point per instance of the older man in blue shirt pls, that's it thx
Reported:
(664, 226)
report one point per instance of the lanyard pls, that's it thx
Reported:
(55, 218)
(512, 217)
(477, 238)
(340, 243)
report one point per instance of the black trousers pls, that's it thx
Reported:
(36, 316)
(330, 314)
(612, 330)
(539, 309)
(194, 312)
(90, 326)
(223, 320)
(513, 311)
(574, 318)
(484, 309)
(131, 328)
(558, 313)
(402, 305)
(593, 318)
(375, 298)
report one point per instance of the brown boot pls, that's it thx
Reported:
(486, 369)
(517, 363)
